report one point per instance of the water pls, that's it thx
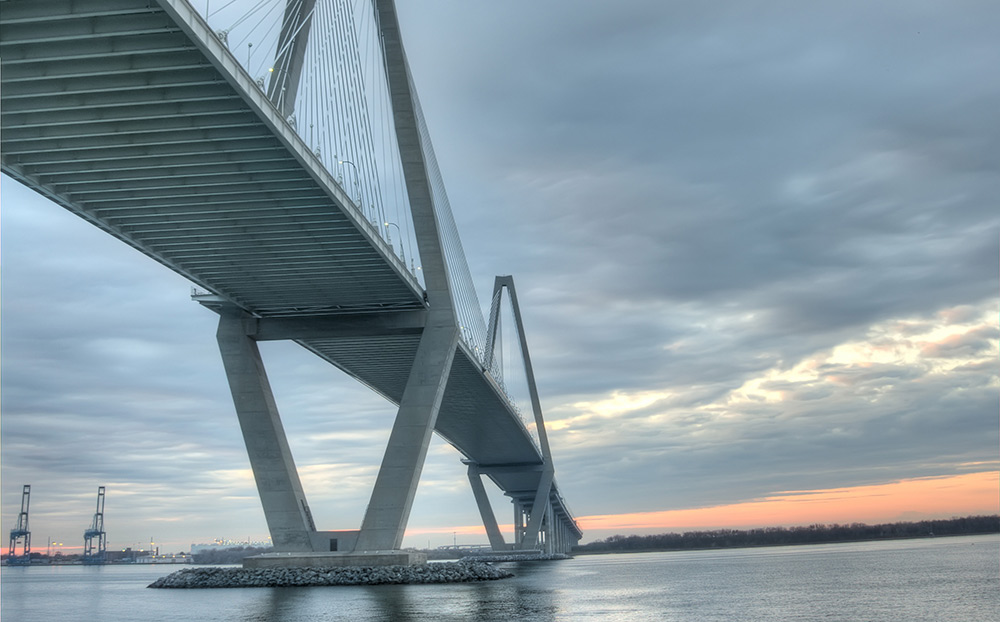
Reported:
(941, 579)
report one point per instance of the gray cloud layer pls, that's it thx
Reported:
(692, 200)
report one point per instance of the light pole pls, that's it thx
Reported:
(357, 184)
(388, 238)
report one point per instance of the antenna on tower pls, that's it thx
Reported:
(20, 534)
(95, 554)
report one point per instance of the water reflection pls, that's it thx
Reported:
(390, 602)
(507, 599)
(282, 603)
(514, 599)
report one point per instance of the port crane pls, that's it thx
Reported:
(20, 534)
(94, 554)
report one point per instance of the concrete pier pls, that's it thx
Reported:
(359, 559)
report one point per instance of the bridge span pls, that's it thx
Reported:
(136, 116)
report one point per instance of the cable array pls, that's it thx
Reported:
(343, 112)
(341, 108)
(505, 360)
(466, 301)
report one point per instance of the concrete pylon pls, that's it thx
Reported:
(540, 507)
(285, 509)
(392, 497)
(499, 283)
(290, 54)
(395, 486)
(528, 536)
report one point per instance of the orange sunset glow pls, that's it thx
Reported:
(904, 500)
(909, 499)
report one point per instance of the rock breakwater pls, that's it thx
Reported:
(454, 572)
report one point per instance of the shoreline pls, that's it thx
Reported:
(576, 553)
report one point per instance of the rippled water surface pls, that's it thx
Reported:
(946, 579)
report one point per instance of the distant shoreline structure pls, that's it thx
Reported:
(230, 552)
(791, 536)
(220, 544)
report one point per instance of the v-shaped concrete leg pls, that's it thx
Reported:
(285, 507)
(392, 498)
(486, 510)
(539, 508)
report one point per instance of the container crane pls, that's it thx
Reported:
(20, 534)
(94, 554)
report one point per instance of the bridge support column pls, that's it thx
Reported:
(539, 508)
(396, 484)
(285, 508)
(486, 510)
(518, 523)
(550, 529)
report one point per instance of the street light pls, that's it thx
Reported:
(388, 238)
(48, 552)
(357, 175)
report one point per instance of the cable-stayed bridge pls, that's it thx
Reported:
(275, 154)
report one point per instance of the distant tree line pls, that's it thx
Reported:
(776, 536)
(232, 555)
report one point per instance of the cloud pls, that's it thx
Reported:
(755, 248)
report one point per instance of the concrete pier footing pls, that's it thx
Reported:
(335, 560)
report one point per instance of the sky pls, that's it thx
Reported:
(756, 249)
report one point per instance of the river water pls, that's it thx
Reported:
(939, 579)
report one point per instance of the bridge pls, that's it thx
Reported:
(267, 178)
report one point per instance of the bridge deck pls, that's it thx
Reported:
(145, 125)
